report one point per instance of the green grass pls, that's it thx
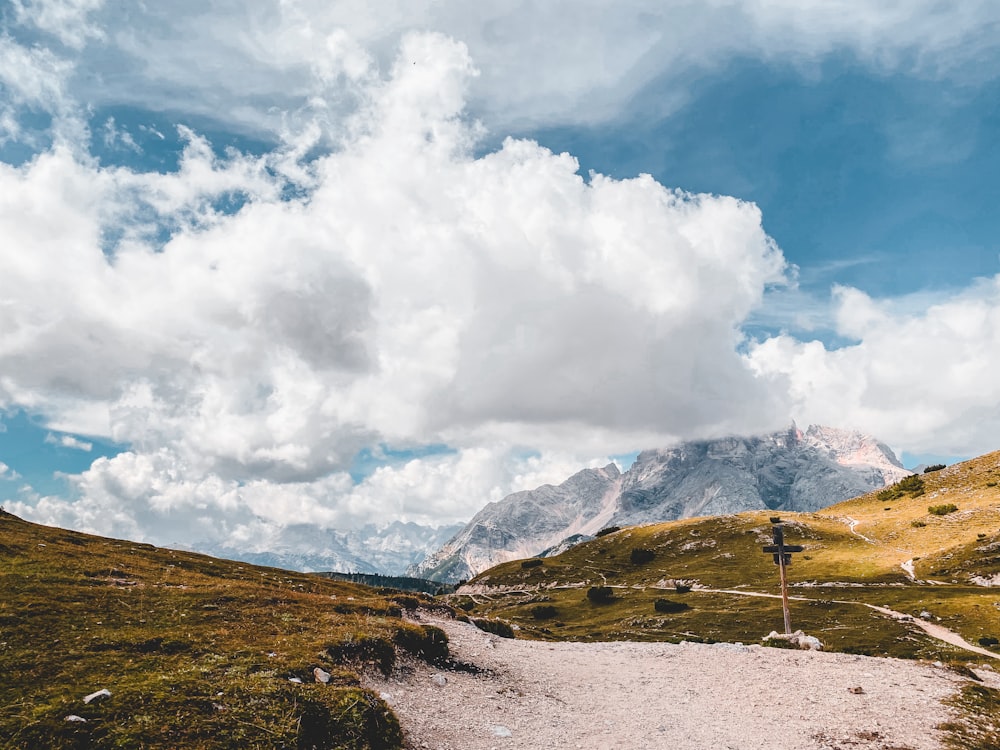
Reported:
(197, 652)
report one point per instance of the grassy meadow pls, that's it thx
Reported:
(853, 555)
(196, 652)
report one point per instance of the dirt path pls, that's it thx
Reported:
(609, 696)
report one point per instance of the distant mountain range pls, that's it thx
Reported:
(789, 470)
(389, 550)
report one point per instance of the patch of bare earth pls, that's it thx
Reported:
(602, 696)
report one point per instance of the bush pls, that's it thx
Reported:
(608, 530)
(988, 641)
(424, 641)
(641, 555)
(544, 612)
(942, 510)
(912, 485)
(497, 627)
(364, 649)
(408, 603)
(600, 594)
(933, 467)
(918, 524)
(533, 562)
(668, 606)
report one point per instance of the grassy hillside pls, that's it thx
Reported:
(853, 556)
(196, 652)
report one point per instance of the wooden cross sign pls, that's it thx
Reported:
(782, 558)
(782, 552)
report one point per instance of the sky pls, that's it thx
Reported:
(336, 263)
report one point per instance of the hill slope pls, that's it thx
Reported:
(194, 651)
(854, 556)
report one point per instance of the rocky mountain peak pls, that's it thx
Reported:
(787, 470)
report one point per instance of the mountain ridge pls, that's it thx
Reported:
(788, 470)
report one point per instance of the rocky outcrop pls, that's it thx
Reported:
(789, 470)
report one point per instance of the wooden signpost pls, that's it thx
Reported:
(782, 558)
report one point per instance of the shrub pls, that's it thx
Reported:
(608, 530)
(408, 603)
(988, 641)
(600, 594)
(364, 649)
(424, 641)
(668, 606)
(533, 562)
(641, 555)
(933, 467)
(544, 612)
(912, 485)
(918, 524)
(942, 510)
(497, 627)
(682, 588)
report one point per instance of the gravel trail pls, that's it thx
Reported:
(604, 696)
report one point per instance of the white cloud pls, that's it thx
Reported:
(68, 441)
(7, 473)
(925, 381)
(282, 66)
(416, 293)
(155, 497)
(68, 20)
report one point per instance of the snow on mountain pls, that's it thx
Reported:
(788, 470)
(388, 550)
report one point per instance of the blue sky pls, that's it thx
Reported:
(350, 264)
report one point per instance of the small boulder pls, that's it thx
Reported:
(100, 695)
(798, 639)
(74, 717)
(440, 680)
(321, 675)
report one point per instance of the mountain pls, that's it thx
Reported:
(926, 548)
(388, 550)
(525, 523)
(789, 470)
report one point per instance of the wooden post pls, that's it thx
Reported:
(784, 594)
(782, 558)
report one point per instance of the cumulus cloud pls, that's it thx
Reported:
(154, 497)
(412, 292)
(922, 380)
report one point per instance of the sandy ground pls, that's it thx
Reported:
(599, 696)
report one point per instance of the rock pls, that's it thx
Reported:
(74, 717)
(856, 690)
(440, 680)
(321, 675)
(98, 696)
(798, 639)
(501, 731)
(296, 680)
